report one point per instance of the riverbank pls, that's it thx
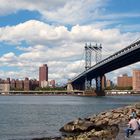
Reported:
(70, 94)
(107, 125)
(104, 126)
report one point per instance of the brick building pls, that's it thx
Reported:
(13, 84)
(7, 81)
(19, 84)
(43, 73)
(34, 84)
(52, 83)
(4, 87)
(124, 81)
(136, 80)
(27, 84)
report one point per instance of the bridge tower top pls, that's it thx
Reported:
(88, 54)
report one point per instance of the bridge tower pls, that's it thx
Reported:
(88, 54)
(98, 52)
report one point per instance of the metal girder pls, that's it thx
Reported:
(87, 57)
(98, 53)
(88, 53)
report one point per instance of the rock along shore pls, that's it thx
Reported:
(104, 126)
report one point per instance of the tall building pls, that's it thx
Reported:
(109, 83)
(43, 73)
(13, 84)
(7, 81)
(136, 80)
(27, 84)
(19, 85)
(34, 84)
(124, 81)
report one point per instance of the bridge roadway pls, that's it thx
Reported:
(122, 58)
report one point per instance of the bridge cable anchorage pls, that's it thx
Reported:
(88, 53)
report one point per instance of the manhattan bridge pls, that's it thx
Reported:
(127, 56)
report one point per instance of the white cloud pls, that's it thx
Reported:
(64, 11)
(34, 32)
(120, 15)
(9, 6)
(60, 48)
(8, 58)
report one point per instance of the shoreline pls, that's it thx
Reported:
(86, 125)
(79, 95)
(106, 125)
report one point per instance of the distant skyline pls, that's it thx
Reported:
(54, 32)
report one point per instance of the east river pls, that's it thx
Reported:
(27, 117)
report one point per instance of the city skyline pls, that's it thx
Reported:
(26, 84)
(54, 32)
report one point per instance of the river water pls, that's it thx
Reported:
(27, 117)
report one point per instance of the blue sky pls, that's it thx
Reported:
(33, 32)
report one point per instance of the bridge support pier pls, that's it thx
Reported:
(69, 86)
(87, 83)
(99, 87)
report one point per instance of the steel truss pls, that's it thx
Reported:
(88, 53)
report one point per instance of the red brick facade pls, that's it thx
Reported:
(43, 73)
(136, 80)
(124, 81)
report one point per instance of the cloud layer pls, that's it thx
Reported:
(60, 48)
(59, 35)
(64, 11)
